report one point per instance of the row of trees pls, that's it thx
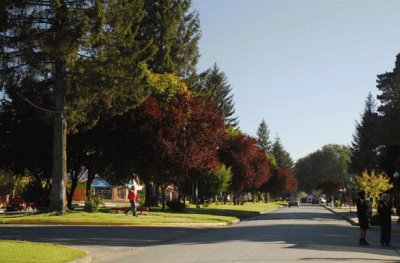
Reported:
(373, 154)
(114, 84)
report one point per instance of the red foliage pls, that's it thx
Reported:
(330, 186)
(282, 183)
(249, 164)
(172, 138)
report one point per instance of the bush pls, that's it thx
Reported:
(176, 206)
(337, 203)
(92, 203)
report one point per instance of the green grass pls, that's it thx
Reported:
(213, 214)
(21, 251)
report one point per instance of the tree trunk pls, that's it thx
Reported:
(74, 184)
(148, 193)
(58, 192)
(164, 200)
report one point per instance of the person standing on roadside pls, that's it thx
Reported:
(362, 215)
(132, 197)
(385, 219)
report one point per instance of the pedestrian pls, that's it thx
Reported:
(385, 219)
(135, 182)
(132, 197)
(362, 215)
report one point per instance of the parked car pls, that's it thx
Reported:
(294, 202)
(16, 203)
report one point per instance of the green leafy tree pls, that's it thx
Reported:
(282, 157)
(213, 83)
(263, 137)
(332, 161)
(364, 145)
(75, 60)
(373, 183)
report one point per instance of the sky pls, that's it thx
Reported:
(305, 67)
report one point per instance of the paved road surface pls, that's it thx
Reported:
(304, 234)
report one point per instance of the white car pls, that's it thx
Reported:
(294, 202)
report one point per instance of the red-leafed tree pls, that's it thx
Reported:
(282, 183)
(249, 164)
(174, 138)
(330, 186)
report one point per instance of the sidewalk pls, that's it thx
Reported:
(350, 215)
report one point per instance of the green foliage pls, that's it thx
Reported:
(365, 139)
(92, 203)
(174, 30)
(332, 161)
(282, 157)
(213, 84)
(11, 183)
(263, 137)
(337, 204)
(220, 180)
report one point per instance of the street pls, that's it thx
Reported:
(305, 234)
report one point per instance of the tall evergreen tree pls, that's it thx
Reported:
(282, 157)
(389, 86)
(263, 136)
(175, 31)
(364, 145)
(76, 60)
(213, 83)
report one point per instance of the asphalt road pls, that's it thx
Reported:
(304, 234)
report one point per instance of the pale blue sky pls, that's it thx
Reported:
(306, 67)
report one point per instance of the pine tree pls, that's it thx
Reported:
(282, 157)
(175, 31)
(389, 135)
(263, 137)
(213, 83)
(364, 145)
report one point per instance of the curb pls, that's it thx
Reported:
(351, 222)
(85, 259)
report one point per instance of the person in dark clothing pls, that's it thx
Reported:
(362, 214)
(385, 219)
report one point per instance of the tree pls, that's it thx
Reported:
(213, 84)
(64, 57)
(389, 135)
(282, 183)
(173, 139)
(373, 183)
(175, 31)
(263, 137)
(365, 142)
(332, 161)
(330, 186)
(248, 162)
(282, 157)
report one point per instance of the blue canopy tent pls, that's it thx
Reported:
(102, 188)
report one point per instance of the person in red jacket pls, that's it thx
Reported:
(132, 197)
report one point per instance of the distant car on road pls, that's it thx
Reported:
(16, 203)
(294, 202)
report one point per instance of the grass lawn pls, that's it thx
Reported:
(21, 251)
(213, 214)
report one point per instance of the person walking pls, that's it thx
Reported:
(132, 197)
(385, 219)
(362, 215)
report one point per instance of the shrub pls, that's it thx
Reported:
(337, 203)
(176, 206)
(92, 203)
